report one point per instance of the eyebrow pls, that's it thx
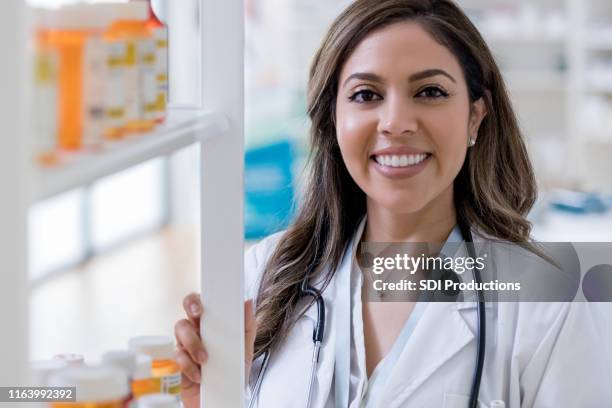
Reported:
(414, 77)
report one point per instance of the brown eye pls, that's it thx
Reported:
(433, 92)
(363, 96)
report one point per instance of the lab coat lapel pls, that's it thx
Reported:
(327, 358)
(426, 351)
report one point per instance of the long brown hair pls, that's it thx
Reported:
(494, 189)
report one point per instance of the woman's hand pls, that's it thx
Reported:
(191, 353)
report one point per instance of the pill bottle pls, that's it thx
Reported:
(161, 350)
(72, 359)
(138, 64)
(96, 387)
(75, 32)
(160, 36)
(158, 401)
(125, 361)
(138, 368)
(44, 91)
(42, 370)
(143, 382)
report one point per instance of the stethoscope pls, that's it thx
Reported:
(306, 290)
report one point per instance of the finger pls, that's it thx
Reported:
(188, 367)
(193, 308)
(189, 339)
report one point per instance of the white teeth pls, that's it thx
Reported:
(400, 161)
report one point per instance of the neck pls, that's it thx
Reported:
(432, 224)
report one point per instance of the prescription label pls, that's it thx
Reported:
(94, 67)
(45, 94)
(132, 83)
(160, 35)
(114, 92)
(148, 83)
(171, 384)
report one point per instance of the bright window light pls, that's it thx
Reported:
(126, 204)
(55, 234)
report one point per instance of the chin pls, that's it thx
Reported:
(402, 203)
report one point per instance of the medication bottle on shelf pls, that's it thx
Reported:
(44, 93)
(42, 370)
(138, 369)
(159, 401)
(160, 36)
(75, 32)
(161, 350)
(96, 387)
(125, 361)
(139, 64)
(72, 359)
(143, 382)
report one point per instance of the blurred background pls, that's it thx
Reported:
(114, 259)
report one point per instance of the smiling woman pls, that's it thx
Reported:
(413, 139)
(398, 116)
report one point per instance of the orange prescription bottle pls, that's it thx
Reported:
(160, 36)
(143, 382)
(96, 387)
(161, 350)
(138, 369)
(138, 65)
(75, 32)
(44, 93)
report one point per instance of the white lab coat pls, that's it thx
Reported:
(542, 355)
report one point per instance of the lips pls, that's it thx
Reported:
(400, 162)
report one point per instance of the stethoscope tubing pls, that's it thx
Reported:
(319, 330)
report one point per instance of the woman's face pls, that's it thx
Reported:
(403, 118)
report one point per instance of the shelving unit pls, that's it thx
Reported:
(216, 124)
(547, 50)
(182, 128)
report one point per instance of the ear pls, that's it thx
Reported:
(478, 111)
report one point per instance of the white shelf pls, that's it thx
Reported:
(182, 128)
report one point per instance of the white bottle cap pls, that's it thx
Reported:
(158, 401)
(134, 10)
(158, 347)
(92, 16)
(144, 367)
(93, 384)
(123, 359)
(497, 404)
(41, 371)
(73, 360)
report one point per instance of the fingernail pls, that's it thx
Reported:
(202, 356)
(195, 309)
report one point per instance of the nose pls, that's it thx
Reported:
(397, 117)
